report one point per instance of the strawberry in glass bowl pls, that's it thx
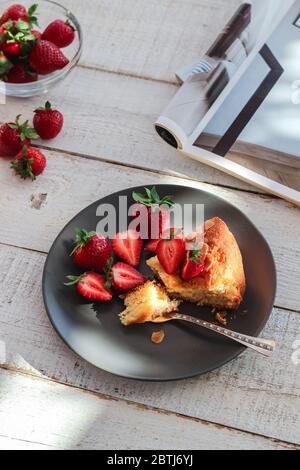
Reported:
(40, 43)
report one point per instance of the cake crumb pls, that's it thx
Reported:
(221, 317)
(157, 337)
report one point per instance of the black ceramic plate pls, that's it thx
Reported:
(96, 334)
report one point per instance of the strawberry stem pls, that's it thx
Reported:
(73, 280)
(152, 198)
(24, 130)
(195, 256)
(108, 273)
(82, 237)
(23, 165)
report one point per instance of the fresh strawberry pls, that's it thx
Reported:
(48, 122)
(46, 58)
(193, 264)
(5, 64)
(16, 38)
(124, 277)
(29, 163)
(151, 246)
(13, 136)
(20, 74)
(128, 246)
(12, 48)
(14, 12)
(170, 253)
(158, 211)
(92, 250)
(91, 286)
(60, 33)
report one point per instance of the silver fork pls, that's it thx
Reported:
(262, 346)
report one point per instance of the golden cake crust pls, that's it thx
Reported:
(223, 283)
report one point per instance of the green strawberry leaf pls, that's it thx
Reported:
(73, 280)
(22, 26)
(152, 198)
(32, 10)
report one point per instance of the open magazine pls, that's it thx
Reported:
(241, 102)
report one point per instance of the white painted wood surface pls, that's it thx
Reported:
(110, 102)
(68, 418)
(150, 38)
(265, 392)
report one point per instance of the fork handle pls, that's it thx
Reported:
(262, 346)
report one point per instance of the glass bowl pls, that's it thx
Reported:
(48, 11)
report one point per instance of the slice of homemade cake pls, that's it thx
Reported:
(222, 283)
(147, 303)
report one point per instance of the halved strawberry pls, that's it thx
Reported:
(168, 233)
(128, 246)
(170, 254)
(91, 286)
(125, 277)
(193, 264)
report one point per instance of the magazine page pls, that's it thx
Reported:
(260, 117)
(206, 83)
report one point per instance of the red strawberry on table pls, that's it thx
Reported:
(20, 74)
(91, 286)
(124, 277)
(29, 163)
(193, 264)
(158, 210)
(128, 246)
(14, 12)
(92, 250)
(13, 136)
(61, 33)
(46, 58)
(48, 122)
(170, 253)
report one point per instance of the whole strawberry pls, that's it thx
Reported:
(157, 216)
(48, 122)
(13, 136)
(14, 12)
(46, 58)
(60, 33)
(12, 48)
(21, 74)
(29, 163)
(92, 251)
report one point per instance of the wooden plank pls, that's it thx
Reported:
(251, 393)
(111, 117)
(70, 183)
(62, 417)
(152, 38)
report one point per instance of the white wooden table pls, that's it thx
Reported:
(49, 397)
